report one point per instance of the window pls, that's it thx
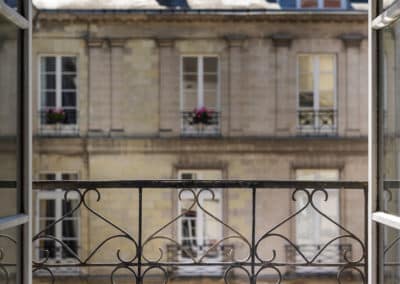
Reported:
(200, 92)
(321, 4)
(317, 94)
(58, 90)
(312, 230)
(52, 206)
(198, 232)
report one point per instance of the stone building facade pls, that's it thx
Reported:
(283, 92)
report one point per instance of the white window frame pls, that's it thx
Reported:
(316, 94)
(57, 195)
(206, 270)
(343, 5)
(200, 78)
(65, 128)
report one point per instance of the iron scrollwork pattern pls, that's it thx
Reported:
(6, 265)
(252, 266)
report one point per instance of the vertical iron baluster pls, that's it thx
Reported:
(366, 233)
(253, 236)
(139, 274)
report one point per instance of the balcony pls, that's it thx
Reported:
(317, 122)
(192, 128)
(66, 126)
(133, 230)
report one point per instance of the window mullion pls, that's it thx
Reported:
(316, 89)
(200, 83)
(58, 82)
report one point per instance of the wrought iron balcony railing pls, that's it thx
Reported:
(132, 223)
(67, 125)
(191, 126)
(321, 122)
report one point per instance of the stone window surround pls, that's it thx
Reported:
(57, 195)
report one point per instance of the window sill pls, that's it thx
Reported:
(58, 130)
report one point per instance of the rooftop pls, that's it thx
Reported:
(180, 5)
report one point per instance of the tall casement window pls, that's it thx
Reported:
(51, 206)
(198, 231)
(317, 113)
(58, 93)
(200, 99)
(321, 4)
(314, 231)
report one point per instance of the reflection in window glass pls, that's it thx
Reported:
(390, 142)
(8, 115)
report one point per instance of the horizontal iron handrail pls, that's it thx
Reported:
(259, 184)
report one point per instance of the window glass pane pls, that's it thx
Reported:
(48, 99)
(69, 99)
(188, 176)
(210, 82)
(210, 100)
(306, 82)
(70, 116)
(326, 99)
(210, 64)
(69, 82)
(48, 81)
(47, 248)
(190, 82)
(47, 176)
(46, 225)
(306, 99)
(305, 64)
(332, 3)
(68, 206)
(8, 115)
(72, 248)
(48, 64)
(68, 64)
(326, 63)
(190, 101)
(212, 228)
(47, 208)
(190, 64)
(309, 4)
(70, 228)
(69, 176)
(326, 82)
